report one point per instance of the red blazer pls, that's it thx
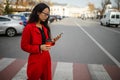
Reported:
(31, 38)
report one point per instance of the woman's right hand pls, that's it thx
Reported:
(45, 47)
(57, 37)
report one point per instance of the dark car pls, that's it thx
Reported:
(51, 19)
(58, 17)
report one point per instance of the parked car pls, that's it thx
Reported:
(18, 17)
(26, 14)
(10, 27)
(111, 18)
(51, 19)
(58, 17)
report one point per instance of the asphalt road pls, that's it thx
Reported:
(83, 41)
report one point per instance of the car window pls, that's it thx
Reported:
(16, 17)
(113, 16)
(4, 19)
(118, 16)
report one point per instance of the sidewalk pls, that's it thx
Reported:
(15, 69)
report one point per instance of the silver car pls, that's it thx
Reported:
(10, 27)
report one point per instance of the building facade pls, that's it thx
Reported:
(65, 10)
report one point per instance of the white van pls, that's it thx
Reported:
(111, 18)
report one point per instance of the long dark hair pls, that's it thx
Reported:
(35, 18)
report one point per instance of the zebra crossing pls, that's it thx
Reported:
(15, 69)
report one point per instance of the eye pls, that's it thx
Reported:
(46, 14)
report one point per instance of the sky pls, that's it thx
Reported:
(81, 3)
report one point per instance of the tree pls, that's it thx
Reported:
(1, 9)
(118, 4)
(32, 3)
(103, 4)
(8, 9)
(16, 3)
(91, 7)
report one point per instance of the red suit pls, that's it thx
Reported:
(39, 62)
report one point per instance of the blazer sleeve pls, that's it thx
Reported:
(26, 42)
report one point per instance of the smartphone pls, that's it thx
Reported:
(58, 37)
(60, 34)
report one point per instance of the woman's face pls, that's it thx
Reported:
(44, 14)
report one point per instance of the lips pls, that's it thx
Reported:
(44, 19)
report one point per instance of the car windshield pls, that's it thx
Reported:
(17, 17)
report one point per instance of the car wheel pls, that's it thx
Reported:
(116, 25)
(107, 24)
(11, 32)
(101, 23)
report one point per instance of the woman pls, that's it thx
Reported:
(33, 41)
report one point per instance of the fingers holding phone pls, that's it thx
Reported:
(57, 37)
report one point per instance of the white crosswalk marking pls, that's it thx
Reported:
(64, 71)
(4, 62)
(21, 75)
(98, 72)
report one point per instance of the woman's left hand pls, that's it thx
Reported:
(45, 47)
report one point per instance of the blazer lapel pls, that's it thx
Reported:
(36, 28)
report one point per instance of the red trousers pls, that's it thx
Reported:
(39, 67)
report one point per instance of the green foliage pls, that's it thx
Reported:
(7, 9)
